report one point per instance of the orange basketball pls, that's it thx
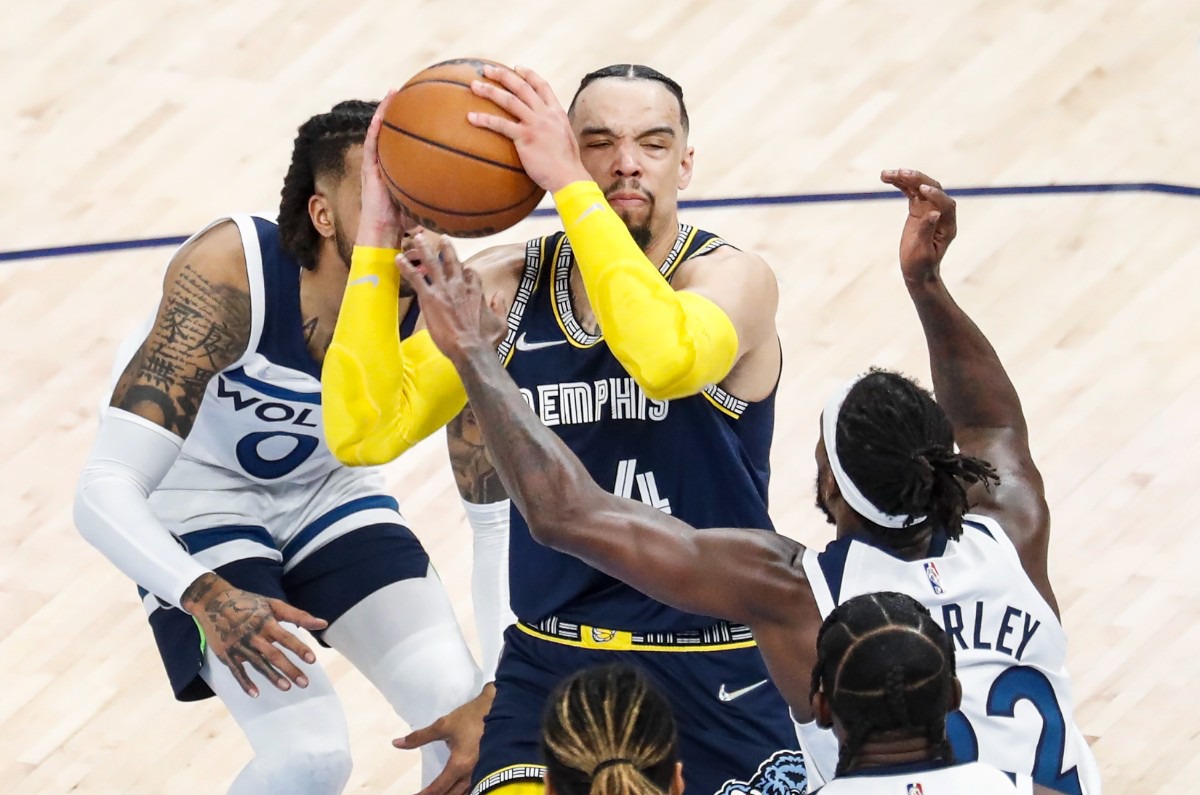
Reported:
(451, 176)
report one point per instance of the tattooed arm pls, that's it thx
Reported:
(202, 326)
(499, 270)
(474, 473)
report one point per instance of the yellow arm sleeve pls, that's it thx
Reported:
(381, 395)
(673, 343)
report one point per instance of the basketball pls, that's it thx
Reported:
(452, 177)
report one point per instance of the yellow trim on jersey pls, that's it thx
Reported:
(526, 785)
(684, 254)
(620, 640)
(558, 267)
(720, 407)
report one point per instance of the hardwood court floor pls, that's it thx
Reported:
(134, 118)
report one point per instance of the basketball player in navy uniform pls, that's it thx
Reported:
(649, 347)
(211, 486)
(964, 531)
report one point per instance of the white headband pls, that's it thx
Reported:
(850, 493)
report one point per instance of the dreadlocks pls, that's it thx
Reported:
(606, 731)
(885, 665)
(319, 151)
(897, 445)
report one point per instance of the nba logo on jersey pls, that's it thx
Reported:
(917, 789)
(935, 582)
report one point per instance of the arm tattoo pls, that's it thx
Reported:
(201, 329)
(477, 479)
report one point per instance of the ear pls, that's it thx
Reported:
(548, 783)
(321, 214)
(955, 694)
(677, 783)
(822, 713)
(685, 167)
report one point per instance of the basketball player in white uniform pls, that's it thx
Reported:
(937, 500)
(212, 487)
(885, 685)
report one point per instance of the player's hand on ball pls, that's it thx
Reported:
(542, 132)
(451, 297)
(461, 730)
(931, 224)
(243, 628)
(381, 223)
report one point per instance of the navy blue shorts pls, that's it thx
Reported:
(327, 583)
(730, 716)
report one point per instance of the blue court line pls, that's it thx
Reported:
(699, 204)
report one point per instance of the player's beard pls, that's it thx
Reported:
(822, 504)
(641, 231)
(342, 242)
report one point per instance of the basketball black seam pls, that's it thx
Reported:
(441, 80)
(444, 147)
(435, 208)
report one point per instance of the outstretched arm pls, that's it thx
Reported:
(742, 575)
(970, 381)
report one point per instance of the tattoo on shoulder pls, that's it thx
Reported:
(477, 479)
(201, 329)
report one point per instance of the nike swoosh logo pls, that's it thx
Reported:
(372, 280)
(589, 211)
(730, 695)
(523, 345)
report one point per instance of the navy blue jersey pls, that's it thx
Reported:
(704, 459)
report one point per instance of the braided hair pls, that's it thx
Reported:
(607, 731)
(319, 151)
(884, 664)
(634, 71)
(897, 445)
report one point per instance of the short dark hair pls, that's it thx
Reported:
(608, 731)
(634, 71)
(884, 664)
(319, 151)
(897, 445)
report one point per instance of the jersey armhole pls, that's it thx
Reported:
(252, 252)
(992, 529)
(523, 297)
(816, 580)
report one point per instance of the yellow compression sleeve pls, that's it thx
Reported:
(673, 343)
(381, 395)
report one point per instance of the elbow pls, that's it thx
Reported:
(669, 378)
(554, 521)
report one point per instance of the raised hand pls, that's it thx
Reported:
(451, 297)
(931, 224)
(381, 223)
(243, 628)
(541, 130)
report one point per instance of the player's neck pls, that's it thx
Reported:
(321, 290)
(882, 751)
(912, 548)
(322, 287)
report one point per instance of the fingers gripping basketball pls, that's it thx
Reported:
(451, 176)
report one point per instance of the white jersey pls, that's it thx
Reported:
(1017, 710)
(972, 778)
(255, 470)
